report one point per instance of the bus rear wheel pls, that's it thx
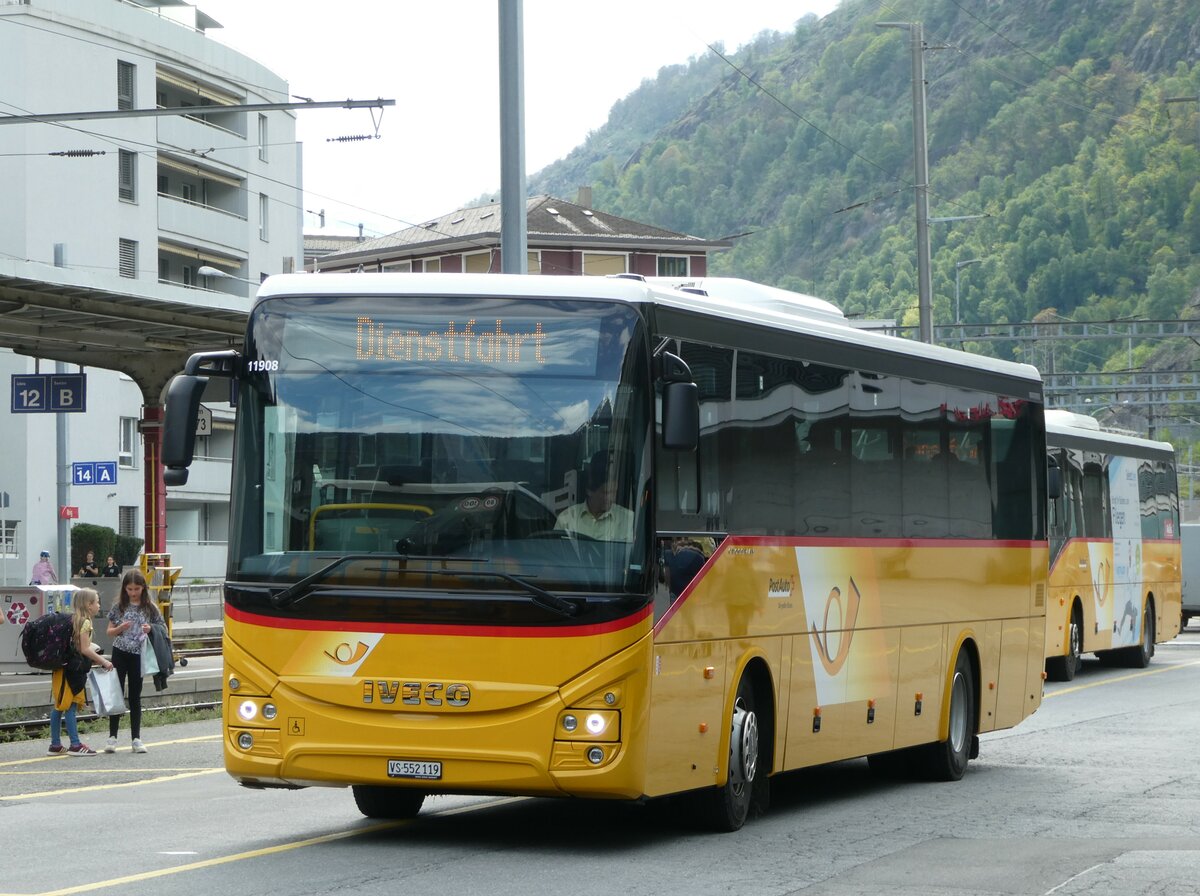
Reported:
(387, 802)
(725, 808)
(947, 760)
(1063, 668)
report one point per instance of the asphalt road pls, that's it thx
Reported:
(1098, 793)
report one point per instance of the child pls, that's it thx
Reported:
(87, 605)
(129, 621)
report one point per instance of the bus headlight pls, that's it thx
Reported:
(247, 709)
(597, 725)
(245, 740)
(269, 711)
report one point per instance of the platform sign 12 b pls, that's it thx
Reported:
(49, 393)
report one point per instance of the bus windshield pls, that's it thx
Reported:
(482, 444)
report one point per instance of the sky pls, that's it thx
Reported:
(438, 147)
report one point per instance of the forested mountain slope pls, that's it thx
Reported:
(1048, 118)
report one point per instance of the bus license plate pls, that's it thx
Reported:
(406, 768)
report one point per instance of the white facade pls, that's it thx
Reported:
(169, 195)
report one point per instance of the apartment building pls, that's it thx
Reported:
(182, 211)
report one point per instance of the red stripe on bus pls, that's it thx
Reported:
(470, 631)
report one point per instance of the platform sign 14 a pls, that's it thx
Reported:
(98, 472)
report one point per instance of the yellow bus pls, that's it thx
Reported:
(1116, 567)
(460, 502)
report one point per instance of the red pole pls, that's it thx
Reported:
(155, 488)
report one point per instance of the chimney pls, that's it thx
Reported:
(585, 197)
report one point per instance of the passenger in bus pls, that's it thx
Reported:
(686, 559)
(598, 516)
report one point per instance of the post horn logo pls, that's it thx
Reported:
(847, 615)
(345, 655)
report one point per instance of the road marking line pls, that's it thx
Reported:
(266, 850)
(1143, 673)
(113, 786)
(160, 743)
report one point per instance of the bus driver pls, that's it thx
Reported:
(598, 516)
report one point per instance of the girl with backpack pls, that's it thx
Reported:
(129, 621)
(66, 702)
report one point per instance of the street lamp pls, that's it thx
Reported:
(958, 266)
(207, 271)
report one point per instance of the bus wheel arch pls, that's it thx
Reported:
(946, 760)
(750, 731)
(1064, 668)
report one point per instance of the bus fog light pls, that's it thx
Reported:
(247, 709)
(570, 723)
(269, 711)
(595, 723)
(245, 740)
(595, 755)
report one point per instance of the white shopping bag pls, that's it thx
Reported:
(107, 698)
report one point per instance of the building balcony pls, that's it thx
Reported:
(189, 223)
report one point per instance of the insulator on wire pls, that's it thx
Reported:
(349, 138)
(78, 153)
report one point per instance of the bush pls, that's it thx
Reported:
(103, 541)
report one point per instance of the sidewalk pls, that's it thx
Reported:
(202, 675)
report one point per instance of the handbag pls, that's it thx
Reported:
(149, 658)
(107, 698)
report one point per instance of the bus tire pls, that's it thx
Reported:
(725, 808)
(1139, 657)
(1063, 668)
(387, 802)
(947, 760)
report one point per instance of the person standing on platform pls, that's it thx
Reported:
(43, 571)
(63, 685)
(129, 622)
(90, 568)
(110, 570)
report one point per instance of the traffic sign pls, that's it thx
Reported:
(68, 513)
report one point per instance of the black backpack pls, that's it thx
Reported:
(48, 642)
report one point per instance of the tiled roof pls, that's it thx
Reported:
(549, 222)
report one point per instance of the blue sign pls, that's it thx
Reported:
(96, 472)
(49, 393)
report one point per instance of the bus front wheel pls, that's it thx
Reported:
(727, 807)
(947, 760)
(1063, 668)
(387, 802)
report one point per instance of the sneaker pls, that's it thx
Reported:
(111, 746)
(138, 746)
(56, 750)
(81, 750)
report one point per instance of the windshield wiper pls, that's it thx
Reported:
(297, 591)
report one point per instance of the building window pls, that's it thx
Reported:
(127, 443)
(8, 538)
(164, 269)
(190, 278)
(262, 216)
(127, 186)
(673, 266)
(127, 258)
(127, 520)
(126, 76)
(597, 264)
(477, 262)
(402, 267)
(262, 138)
(534, 262)
(433, 265)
